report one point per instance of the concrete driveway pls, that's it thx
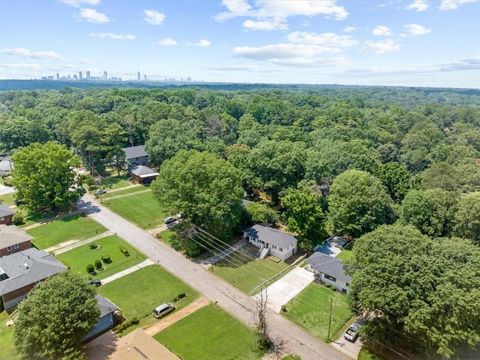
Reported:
(287, 287)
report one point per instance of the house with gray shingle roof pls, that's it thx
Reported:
(271, 241)
(143, 174)
(6, 214)
(329, 270)
(21, 271)
(13, 239)
(136, 155)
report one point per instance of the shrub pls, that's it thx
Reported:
(93, 246)
(106, 259)
(284, 308)
(98, 264)
(91, 269)
(7, 180)
(18, 219)
(124, 251)
(125, 325)
(179, 297)
(260, 213)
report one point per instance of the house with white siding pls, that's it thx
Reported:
(329, 270)
(271, 241)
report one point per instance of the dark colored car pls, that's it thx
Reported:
(95, 282)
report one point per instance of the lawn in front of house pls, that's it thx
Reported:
(246, 273)
(138, 293)
(345, 254)
(127, 191)
(115, 182)
(77, 259)
(77, 227)
(8, 199)
(210, 334)
(311, 309)
(7, 348)
(141, 209)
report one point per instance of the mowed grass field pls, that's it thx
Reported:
(210, 334)
(247, 274)
(78, 259)
(126, 191)
(138, 293)
(76, 227)
(7, 348)
(310, 309)
(141, 209)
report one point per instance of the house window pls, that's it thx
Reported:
(280, 249)
(331, 278)
(13, 247)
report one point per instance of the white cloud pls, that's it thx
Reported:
(93, 16)
(201, 43)
(113, 36)
(333, 41)
(20, 66)
(416, 30)
(78, 3)
(34, 54)
(382, 30)
(454, 4)
(418, 5)
(381, 47)
(265, 25)
(154, 17)
(167, 42)
(279, 11)
(349, 29)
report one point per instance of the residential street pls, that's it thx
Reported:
(232, 300)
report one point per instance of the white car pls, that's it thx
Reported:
(170, 219)
(352, 333)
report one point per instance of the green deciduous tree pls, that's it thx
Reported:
(431, 211)
(55, 317)
(358, 203)
(467, 217)
(396, 179)
(424, 290)
(45, 176)
(205, 188)
(304, 216)
(261, 213)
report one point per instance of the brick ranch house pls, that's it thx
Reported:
(6, 215)
(13, 240)
(21, 271)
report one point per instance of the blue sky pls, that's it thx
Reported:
(383, 42)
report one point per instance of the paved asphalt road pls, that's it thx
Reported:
(232, 300)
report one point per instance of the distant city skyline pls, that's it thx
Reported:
(370, 42)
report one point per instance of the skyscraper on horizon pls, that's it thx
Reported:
(87, 73)
(58, 76)
(138, 76)
(105, 77)
(145, 77)
(80, 75)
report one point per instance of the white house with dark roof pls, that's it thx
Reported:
(136, 155)
(21, 271)
(329, 270)
(271, 241)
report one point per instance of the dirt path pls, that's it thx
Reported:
(176, 316)
(46, 221)
(72, 244)
(123, 188)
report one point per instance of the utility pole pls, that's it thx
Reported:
(330, 318)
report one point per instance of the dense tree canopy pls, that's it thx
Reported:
(467, 217)
(415, 283)
(55, 317)
(45, 176)
(358, 203)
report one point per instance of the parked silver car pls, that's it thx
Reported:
(352, 333)
(162, 310)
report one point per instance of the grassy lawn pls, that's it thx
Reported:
(130, 190)
(8, 199)
(247, 275)
(168, 236)
(7, 349)
(346, 254)
(141, 209)
(115, 182)
(210, 334)
(366, 354)
(72, 228)
(138, 293)
(310, 309)
(78, 259)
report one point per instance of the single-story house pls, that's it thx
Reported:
(329, 270)
(271, 241)
(137, 345)
(6, 215)
(143, 174)
(106, 320)
(332, 246)
(21, 271)
(13, 240)
(136, 155)
(6, 166)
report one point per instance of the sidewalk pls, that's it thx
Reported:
(176, 316)
(123, 188)
(125, 272)
(72, 244)
(125, 195)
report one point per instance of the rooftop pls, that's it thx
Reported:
(143, 171)
(5, 210)
(328, 265)
(105, 306)
(12, 235)
(271, 236)
(133, 152)
(25, 268)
